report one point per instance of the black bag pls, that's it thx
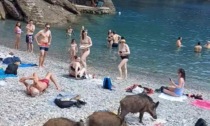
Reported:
(64, 104)
(201, 122)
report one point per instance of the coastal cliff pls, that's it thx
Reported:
(51, 11)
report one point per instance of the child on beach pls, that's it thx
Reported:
(73, 49)
(18, 32)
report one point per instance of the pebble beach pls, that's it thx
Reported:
(19, 109)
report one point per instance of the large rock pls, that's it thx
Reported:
(2, 11)
(43, 12)
(65, 4)
(11, 9)
(109, 4)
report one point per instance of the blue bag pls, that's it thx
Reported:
(107, 84)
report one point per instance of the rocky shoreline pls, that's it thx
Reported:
(18, 109)
(55, 12)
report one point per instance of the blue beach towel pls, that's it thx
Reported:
(27, 65)
(3, 75)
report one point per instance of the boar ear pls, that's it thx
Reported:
(156, 104)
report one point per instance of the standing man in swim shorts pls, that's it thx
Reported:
(44, 42)
(30, 28)
(39, 85)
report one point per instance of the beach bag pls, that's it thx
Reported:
(201, 122)
(64, 104)
(107, 84)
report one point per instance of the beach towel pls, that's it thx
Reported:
(27, 65)
(172, 98)
(3, 75)
(201, 104)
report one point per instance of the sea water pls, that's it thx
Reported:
(151, 29)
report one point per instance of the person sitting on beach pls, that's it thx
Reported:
(39, 85)
(198, 48)
(75, 69)
(124, 53)
(18, 32)
(116, 39)
(177, 88)
(179, 42)
(85, 44)
(69, 32)
(110, 39)
(73, 49)
(207, 45)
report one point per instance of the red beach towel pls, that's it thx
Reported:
(202, 104)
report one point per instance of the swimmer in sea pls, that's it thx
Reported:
(179, 42)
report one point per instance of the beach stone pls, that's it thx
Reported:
(2, 11)
(65, 4)
(43, 12)
(12, 10)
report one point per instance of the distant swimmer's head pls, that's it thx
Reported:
(122, 41)
(30, 22)
(199, 43)
(73, 41)
(122, 37)
(179, 38)
(47, 26)
(18, 24)
(113, 32)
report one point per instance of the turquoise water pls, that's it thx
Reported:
(150, 29)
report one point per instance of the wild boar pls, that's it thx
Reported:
(63, 122)
(105, 119)
(137, 103)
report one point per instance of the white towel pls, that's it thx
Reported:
(2, 83)
(172, 98)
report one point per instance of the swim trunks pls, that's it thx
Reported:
(44, 48)
(29, 38)
(124, 57)
(45, 81)
(115, 45)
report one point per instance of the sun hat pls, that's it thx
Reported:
(123, 40)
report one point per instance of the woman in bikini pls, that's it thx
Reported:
(124, 53)
(75, 69)
(85, 44)
(18, 32)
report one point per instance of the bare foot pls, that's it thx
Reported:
(119, 78)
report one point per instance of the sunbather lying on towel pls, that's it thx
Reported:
(39, 85)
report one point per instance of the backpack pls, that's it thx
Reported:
(107, 84)
(64, 104)
(201, 122)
